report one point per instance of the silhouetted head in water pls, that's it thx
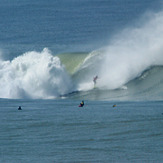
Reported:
(19, 108)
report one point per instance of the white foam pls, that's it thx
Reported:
(33, 75)
(132, 51)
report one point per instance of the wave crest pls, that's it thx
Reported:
(34, 75)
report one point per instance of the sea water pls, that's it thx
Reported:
(60, 131)
(49, 53)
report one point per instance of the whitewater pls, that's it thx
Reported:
(130, 65)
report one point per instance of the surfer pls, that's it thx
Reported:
(114, 105)
(81, 104)
(19, 108)
(95, 79)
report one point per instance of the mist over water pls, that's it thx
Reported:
(130, 52)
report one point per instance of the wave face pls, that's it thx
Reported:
(129, 68)
(149, 86)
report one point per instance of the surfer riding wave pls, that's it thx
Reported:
(95, 80)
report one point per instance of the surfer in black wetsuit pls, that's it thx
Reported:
(19, 108)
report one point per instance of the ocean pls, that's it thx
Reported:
(50, 51)
(60, 131)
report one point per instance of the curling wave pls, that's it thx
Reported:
(130, 67)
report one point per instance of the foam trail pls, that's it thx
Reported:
(33, 75)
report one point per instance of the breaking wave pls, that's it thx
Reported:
(130, 67)
(129, 54)
(33, 75)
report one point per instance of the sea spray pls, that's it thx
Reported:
(130, 53)
(133, 51)
(34, 75)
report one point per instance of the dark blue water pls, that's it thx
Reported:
(65, 26)
(60, 131)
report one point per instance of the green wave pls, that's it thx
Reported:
(72, 61)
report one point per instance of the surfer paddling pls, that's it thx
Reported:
(95, 80)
